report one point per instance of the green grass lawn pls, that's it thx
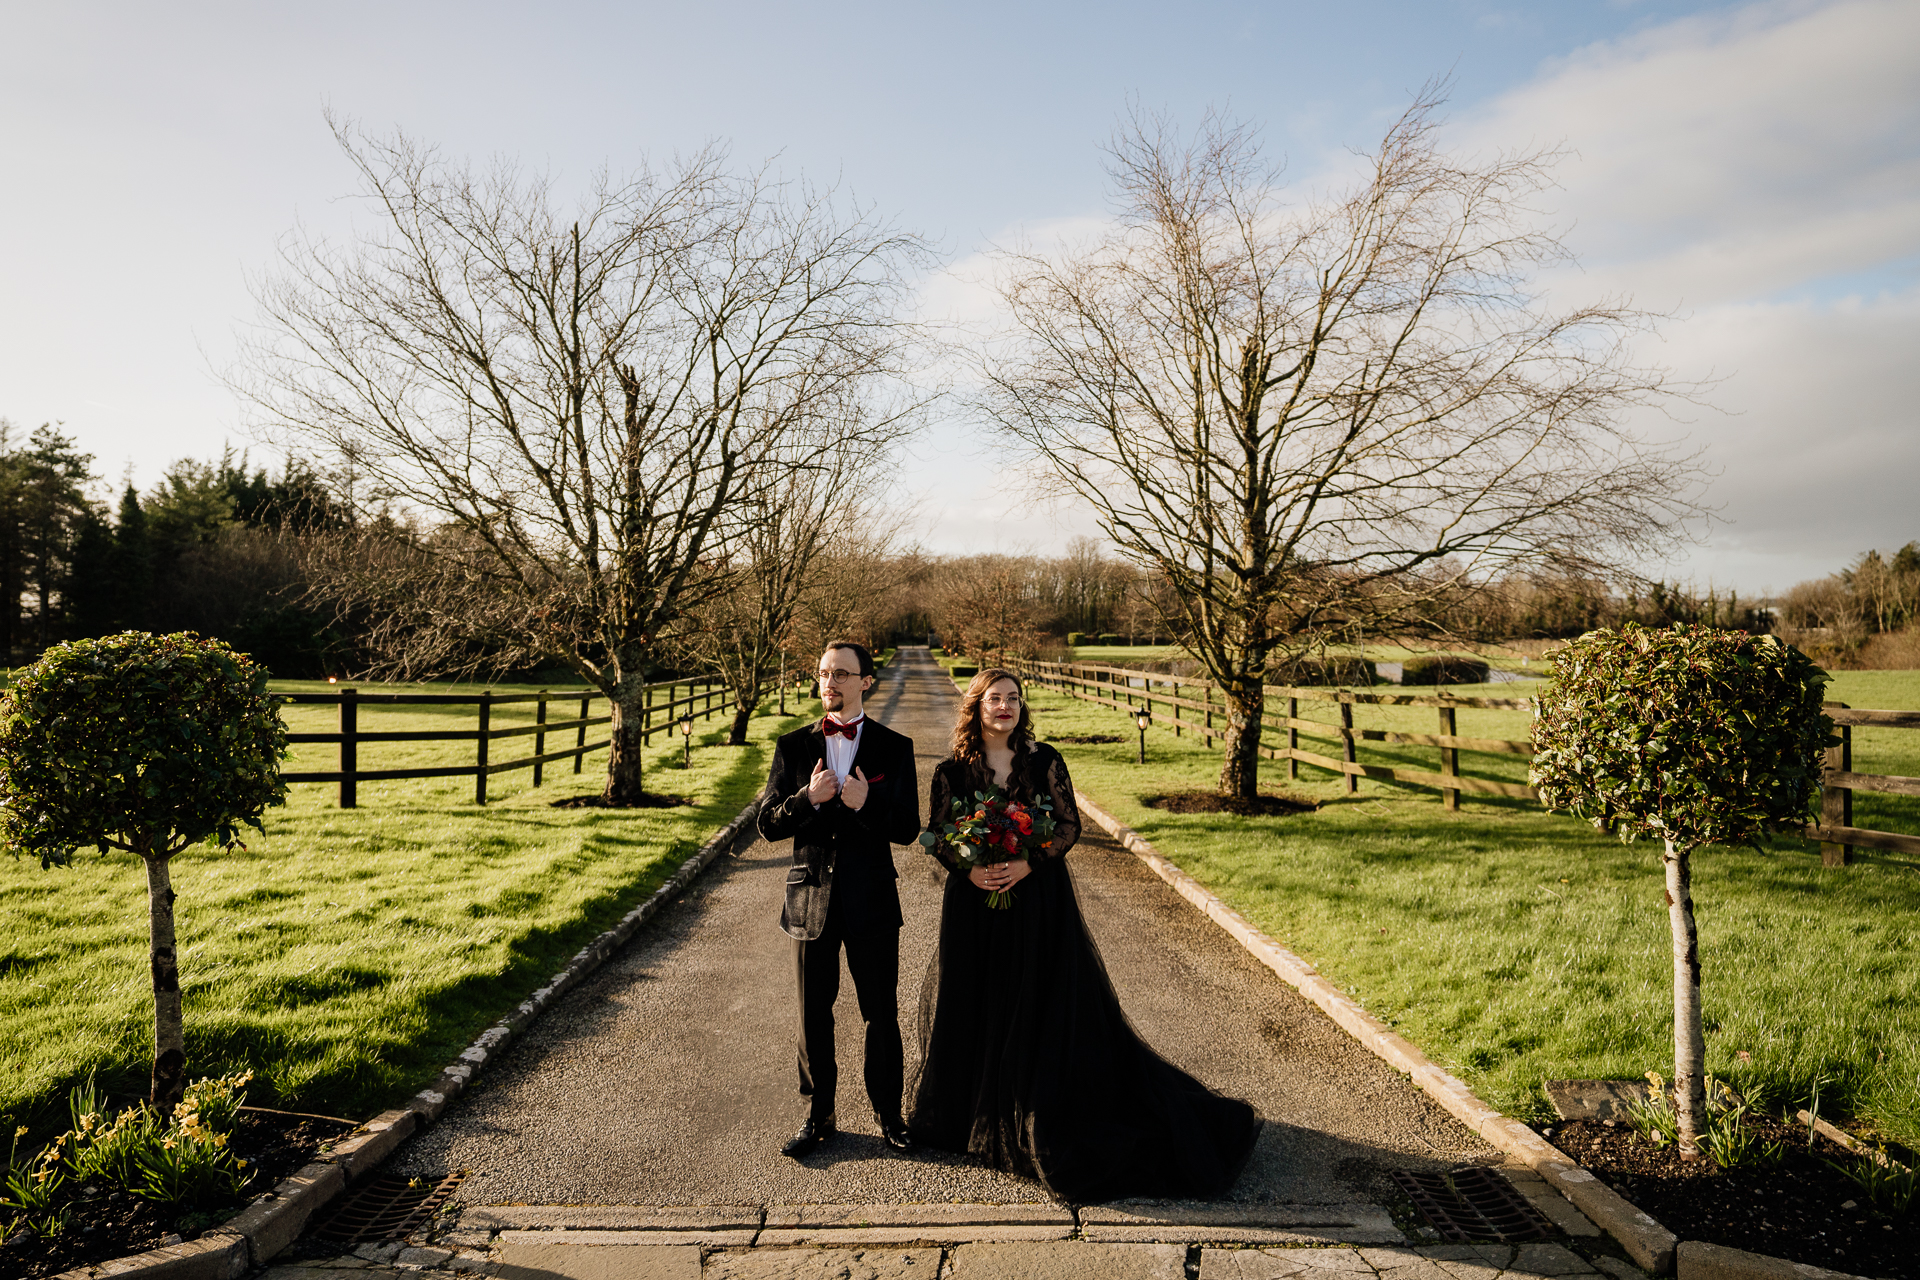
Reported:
(348, 954)
(1120, 655)
(1515, 946)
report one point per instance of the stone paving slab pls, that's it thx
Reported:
(1595, 1099)
(1069, 1261)
(824, 1264)
(611, 1217)
(617, 1262)
(873, 1224)
(908, 1233)
(795, 1216)
(715, 1239)
(1195, 1222)
(1431, 1262)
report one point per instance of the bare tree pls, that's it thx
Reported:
(985, 606)
(785, 552)
(1294, 414)
(571, 403)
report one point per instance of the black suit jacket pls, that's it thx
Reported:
(842, 858)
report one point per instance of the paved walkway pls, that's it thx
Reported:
(642, 1117)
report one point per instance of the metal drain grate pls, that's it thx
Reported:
(1473, 1203)
(386, 1209)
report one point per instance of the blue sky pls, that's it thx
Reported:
(1753, 168)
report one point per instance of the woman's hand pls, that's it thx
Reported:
(1002, 875)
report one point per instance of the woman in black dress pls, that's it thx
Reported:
(1026, 1060)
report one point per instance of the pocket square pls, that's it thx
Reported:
(878, 777)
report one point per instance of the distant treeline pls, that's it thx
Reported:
(225, 549)
(212, 548)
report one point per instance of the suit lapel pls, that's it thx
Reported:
(871, 749)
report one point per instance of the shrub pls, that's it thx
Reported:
(1316, 672)
(965, 670)
(1110, 639)
(1693, 736)
(1446, 668)
(1075, 639)
(151, 744)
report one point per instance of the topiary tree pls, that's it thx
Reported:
(146, 743)
(1693, 736)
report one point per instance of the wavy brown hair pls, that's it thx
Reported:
(969, 745)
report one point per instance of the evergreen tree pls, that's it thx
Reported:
(43, 511)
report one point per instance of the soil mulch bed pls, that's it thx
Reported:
(647, 801)
(107, 1223)
(1087, 739)
(1801, 1208)
(1264, 806)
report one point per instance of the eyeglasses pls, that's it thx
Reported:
(835, 677)
(998, 700)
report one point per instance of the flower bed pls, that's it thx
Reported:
(1800, 1204)
(104, 1220)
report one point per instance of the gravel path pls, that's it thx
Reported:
(668, 1077)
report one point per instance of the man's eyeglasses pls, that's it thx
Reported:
(835, 677)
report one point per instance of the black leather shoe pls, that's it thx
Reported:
(895, 1132)
(812, 1134)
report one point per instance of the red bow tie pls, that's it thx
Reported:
(844, 730)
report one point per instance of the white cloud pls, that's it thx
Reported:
(1819, 445)
(1758, 173)
(1736, 155)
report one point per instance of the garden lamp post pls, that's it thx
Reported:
(1143, 718)
(686, 741)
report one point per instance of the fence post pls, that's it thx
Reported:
(349, 748)
(1177, 708)
(540, 739)
(1836, 803)
(580, 738)
(480, 755)
(1346, 723)
(1293, 737)
(646, 715)
(1206, 696)
(1449, 758)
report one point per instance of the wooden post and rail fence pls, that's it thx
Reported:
(704, 698)
(1132, 691)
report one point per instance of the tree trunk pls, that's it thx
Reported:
(746, 698)
(625, 766)
(169, 1039)
(1240, 770)
(1689, 1041)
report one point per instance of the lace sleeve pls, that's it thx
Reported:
(939, 811)
(1066, 814)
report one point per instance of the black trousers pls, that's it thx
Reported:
(873, 958)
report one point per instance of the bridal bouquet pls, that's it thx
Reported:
(994, 828)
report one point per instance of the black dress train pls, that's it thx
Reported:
(1026, 1059)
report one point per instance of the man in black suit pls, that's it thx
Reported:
(844, 791)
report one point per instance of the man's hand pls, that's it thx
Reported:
(854, 793)
(823, 786)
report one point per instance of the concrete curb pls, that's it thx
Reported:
(1649, 1244)
(1700, 1261)
(274, 1221)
